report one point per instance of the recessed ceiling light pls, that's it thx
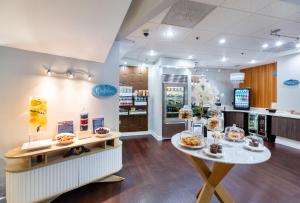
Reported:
(152, 53)
(206, 70)
(191, 57)
(125, 62)
(169, 33)
(222, 41)
(278, 43)
(224, 59)
(253, 61)
(265, 45)
(298, 45)
(219, 70)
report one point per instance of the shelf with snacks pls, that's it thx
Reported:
(56, 152)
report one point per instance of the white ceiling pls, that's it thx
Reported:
(245, 24)
(83, 29)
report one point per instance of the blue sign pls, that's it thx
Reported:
(291, 82)
(104, 90)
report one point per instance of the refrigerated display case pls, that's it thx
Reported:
(252, 123)
(241, 99)
(174, 98)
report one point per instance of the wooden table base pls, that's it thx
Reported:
(212, 178)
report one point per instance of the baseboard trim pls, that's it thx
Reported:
(128, 134)
(156, 136)
(287, 142)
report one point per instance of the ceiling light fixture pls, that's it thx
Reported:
(152, 52)
(297, 45)
(265, 45)
(190, 57)
(278, 43)
(89, 78)
(253, 61)
(222, 41)
(125, 62)
(224, 59)
(169, 33)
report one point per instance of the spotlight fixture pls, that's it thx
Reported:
(297, 45)
(70, 73)
(222, 41)
(190, 57)
(253, 61)
(49, 73)
(224, 59)
(265, 45)
(278, 43)
(125, 62)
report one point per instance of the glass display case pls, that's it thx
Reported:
(234, 133)
(174, 99)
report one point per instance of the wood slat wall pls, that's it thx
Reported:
(263, 83)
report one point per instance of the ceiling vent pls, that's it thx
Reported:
(187, 13)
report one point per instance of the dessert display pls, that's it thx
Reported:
(254, 143)
(102, 132)
(185, 113)
(65, 138)
(213, 124)
(234, 133)
(191, 141)
(217, 136)
(215, 148)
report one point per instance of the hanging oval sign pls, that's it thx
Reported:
(291, 82)
(104, 90)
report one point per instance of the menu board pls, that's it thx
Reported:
(242, 98)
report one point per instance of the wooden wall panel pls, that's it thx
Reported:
(263, 83)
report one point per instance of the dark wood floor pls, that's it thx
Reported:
(156, 172)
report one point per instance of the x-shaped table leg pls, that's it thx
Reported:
(212, 180)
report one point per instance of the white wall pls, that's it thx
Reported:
(288, 67)
(22, 76)
(155, 100)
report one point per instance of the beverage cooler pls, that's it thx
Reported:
(257, 124)
(241, 99)
(175, 92)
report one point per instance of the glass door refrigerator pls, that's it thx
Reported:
(175, 89)
(241, 99)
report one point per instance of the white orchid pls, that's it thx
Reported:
(205, 93)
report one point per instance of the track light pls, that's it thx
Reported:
(70, 73)
(89, 78)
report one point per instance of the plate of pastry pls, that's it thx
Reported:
(214, 150)
(102, 132)
(253, 144)
(191, 142)
(65, 138)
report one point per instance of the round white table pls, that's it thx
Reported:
(234, 153)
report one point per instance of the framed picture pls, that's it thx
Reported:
(65, 127)
(97, 122)
(197, 128)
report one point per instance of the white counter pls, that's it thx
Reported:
(279, 113)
